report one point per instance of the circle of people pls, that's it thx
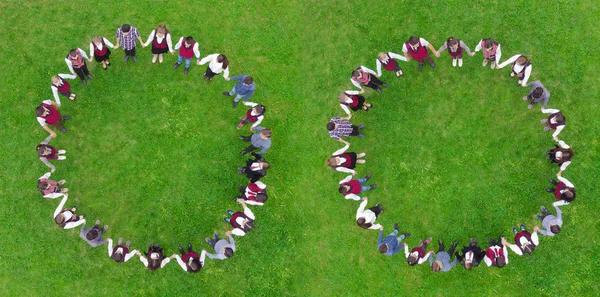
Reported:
(254, 193)
(471, 255)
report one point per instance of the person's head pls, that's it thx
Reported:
(332, 162)
(194, 265)
(72, 54)
(125, 29)
(154, 264)
(97, 40)
(223, 59)
(453, 42)
(92, 234)
(162, 29)
(43, 186)
(248, 225)
(261, 197)
(342, 97)
(522, 60)
(40, 111)
(330, 126)
(436, 266)
(355, 73)
(344, 189)
(383, 248)
(266, 133)
(43, 150)
(259, 109)
(264, 165)
(568, 195)
(468, 265)
(413, 40)
(118, 256)
(228, 252)
(537, 92)
(559, 118)
(382, 56)
(248, 80)
(360, 222)
(528, 248)
(59, 220)
(500, 262)
(189, 40)
(488, 44)
(563, 155)
(55, 80)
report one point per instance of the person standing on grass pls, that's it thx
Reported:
(538, 93)
(352, 100)
(224, 248)
(564, 190)
(442, 258)
(417, 255)
(496, 254)
(47, 152)
(75, 59)
(345, 162)
(389, 63)
(472, 255)
(217, 63)
(491, 52)
(366, 218)
(51, 189)
(255, 169)
(261, 139)
(255, 193)
(161, 43)
(416, 48)
(350, 188)
(99, 49)
(521, 67)
(154, 258)
(66, 218)
(341, 127)
(364, 76)
(551, 223)
(244, 88)
(190, 261)
(556, 121)
(254, 115)
(126, 36)
(390, 245)
(120, 253)
(455, 49)
(47, 113)
(525, 242)
(188, 48)
(60, 85)
(561, 154)
(93, 235)
(242, 222)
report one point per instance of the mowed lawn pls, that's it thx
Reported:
(153, 153)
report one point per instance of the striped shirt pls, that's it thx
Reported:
(343, 128)
(127, 41)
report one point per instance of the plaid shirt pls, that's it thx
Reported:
(344, 128)
(127, 41)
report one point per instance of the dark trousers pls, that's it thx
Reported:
(248, 149)
(66, 94)
(58, 123)
(209, 73)
(82, 72)
(130, 52)
(376, 209)
(450, 252)
(355, 131)
(375, 83)
(426, 59)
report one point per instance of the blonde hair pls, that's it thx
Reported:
(162, 29)
(342, 97)
(382, 55)
(97, 39)
(332, 162)
(55, 79)
(522, 60)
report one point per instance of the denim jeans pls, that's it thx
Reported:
(361, 181)
(238, 97)
(180, 59)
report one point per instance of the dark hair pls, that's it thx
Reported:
(266, 165)
(360, 222)
(40, 149)
(529, 248)
(249, 226)
(92, 234)
(223, 59)
(189, 40)
(468, 266)
(267, 133)
(154, 264)
(413, 40)
(555, 229)
(260, 108)
(73, 53)
(125, 28)
(248, 80)
(343, 190)
(568, 195)
(383, 248)
(39, 111)
(117, 257)
(195, 266)
(261, 197)
(537, 92)
(42, 185)
(436, 266)
(452, 41)
(522, 60)
(355, 73)
(412, 260)
(330, 126)
(488, 43)
(560, 118)
(567, 154)
(228, 252)
(500, 262)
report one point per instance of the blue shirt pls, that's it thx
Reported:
(243, 89)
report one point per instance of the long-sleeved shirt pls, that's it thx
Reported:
(94, 242)
(559, 128)
(55, 89)
(70, 64)
(421, 260)
(460, 44)
(392, 56)
(498, 51)
(496, 250)
(250, 215)
(518, 68)
(348, 100)
(424, 43)
(183, 264)
(343, 128)
(41, 120)
(100, 46)
(164, 261)
(342, 160)
(356, 83)
(534, 239)
(242, 89)
(127, 256)
(195, 49)
(550, 220)
(565, 181)
(67, 214)
(160, 40)
(392, 242)
(368, 215)
(50, 195)
(545, 96)
(44, 159)
(220, 248)
(214, 65)
(250, 193)
(564, 145)
(259, 119)
(443, 257)
(350, 196)
(258, 142)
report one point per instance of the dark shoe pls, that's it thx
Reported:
(189, 247)
(235, 103)
(522, 227)
(229, 211)
(550, 190)
(543, 209)
(181, 250)
(134, 59)
(105, 68)
(104, 228)
(395, 226)
(384, 85)
(108, 64)
(491, 241)
(515, 230)
(241, 189)
(379, 91)
(125, 58)
(185, 71)
(440, 243)
(64, 130)
(361, 135)
(176, 65)
(66, 117)
(225, 220)
(374, 186)
(406, 235)
(226, 93)
(361, 126)
(432, 65)
(420, 67)
(90, 76)
(84, 82)
(208, 240)
(368, 177)
(553, 182)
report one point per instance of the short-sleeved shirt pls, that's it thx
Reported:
(127, 41)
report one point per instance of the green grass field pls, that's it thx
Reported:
(153, 153)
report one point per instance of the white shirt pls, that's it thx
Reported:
(164, 262)
(368, 215)
(252, 104)
(55, 89)
(423, 42)
(518, 68)
(408, 253)
(184, 266)
(214, 65)
(496, 249)
(341, 160)
(250, 215)
(262, 186)
(70, 64)
(392, 56)
(348, 100)
(565, 181)
(357, 84)
(196, 50)
(100, 46)
(534, 238)
(127, 256)
(559, 128)
(41, 120)
(160, 39)
(498, 51)
(350, 196)
(51, 195)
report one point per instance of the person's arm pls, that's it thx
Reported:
(396, 56)
(510, 60)
(226, 73)
(145, 261)
(53, 195)
(442, 48)
(172, 51)
(82, 231)
(238, 232)
(347, 179)
(67, 76)
(91, 50)
(466, 48)
(251, 104)
(430, 260)
(129, 255)
(378, 64)
(250, 202)
(164, 262)
(71, 225)
(526, 76)
(178, 45)
(563, 144)
(248, 212)
(46, 175)
(47, 140)
(208, 58)
(47, 163)
(368, 70)
(137, 35)
(196, 52)
(406, 251)
(353, 197)
(83, 54)
(342, 150)
(216, 256)
(498, 55)
(405, 51)
(375, 226)
(427, 256)
(345, 170)
(546, 97)
(265, 147)
(534, 237)
(546, 232)
(52, 133)
(515, 249)
(478, 47)
(258, 121)
(101, 242)
(70, 65)
(430, 47)
(180, 262)
(550, 110)
(505, 253)
(346, 110)
(361, 208)
(380, 237)
(106, 42)
(534, 84)
(452, 264)
(61, 205)
(356, 84)
(557, 131)
(487, 261)
(150, 37)
(110, 246)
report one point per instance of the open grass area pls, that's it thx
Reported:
(154, 153)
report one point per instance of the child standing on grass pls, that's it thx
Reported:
(366, 218)
(190, 261)
(556, 121)
(345, 162)
(47, 152)
(254, 194)
(161, 43)
(455, 50)
(417, 255)
(75, 59)
(538, 93)
(521, 68)
(60, 85)
(525, 242)
(99, 49)
(50, 188)
(126, 36)
(217, 63)
(120, 253)
(364, 76)
(254, 115)
(154, 259)
(244, 88)
(188, 48)
(47, 113)
(491, 52)
(66, 218)
(352, 100)
(564, 190)
(416, 48)
(496, 254)
(224, 248)
(441, 261)
(389, 63)
(350, 188)
(242, 222)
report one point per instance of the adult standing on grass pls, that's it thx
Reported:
(126, 36)
(340, 127)
(190, 261)
(161, 43)
(388, 61)
(550, 223)
(217, 63)
(99, 49)
(224, 248)
(441, 261)
(47, 152)
(66, 218)
(75, 59)
(521, 68)
(491, 52)
(60, 85)
(345, 162)
(496, 254)
(352, 100)
(350, 188)
(51, 189)
(537, 94)
(93, 235)
(154, 258)
(455, 49)
(472, 255)
(188, 48)
(416, 48)
(261, 139)
(366, 218)
(390, 245)
(418, 255)
(244, 88)
(564, 190)
(363, 76)
(556, 121)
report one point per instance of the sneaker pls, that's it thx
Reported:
(208, 240)
(453, 62)
(522, 227)
(550, 190)
(84, 82)
(128, 243)
(401, 73)
(460, 62)
(108, 63)
(125, 58)
(62, 182)
(90, 76)
(189, 247)
(240, 125)
(181, 250)
(226, 93)
(547, 128)
(368, 177)
(361, 135)
(543, 209)
(97, 223)
(229, 211)
(515, 230)
(360, 126)
(66, 117)
(176, 65)
(485, 62)
(186, 70)
(225, 220)
(428, 240)
(385, 85)
(374, 186)
(420, 67)
(104, 228)
(543, 121)
(64, 130)
(432, 65)
(379, 91)
(554, 182)
(395, 226)
(134, 59)
(525, 98)
(530, 106)
(235, 103)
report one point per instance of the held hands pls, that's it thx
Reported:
(228, 233)
(472, 54)
(172, 257)
(90, 59)
(556, 139)
(437, 54)
(362, 90)
(365, 198)
(559, 174)
(227, 78)
(536, 229)
(381, 228)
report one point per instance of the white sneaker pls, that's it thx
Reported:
(493, 65)
(453, 62)
(459, 62)
(485, 61)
